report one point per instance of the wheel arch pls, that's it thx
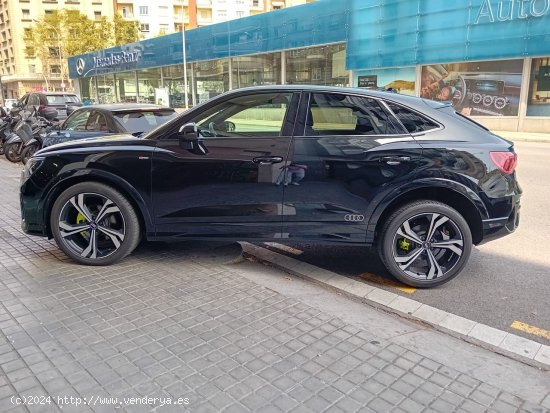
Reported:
(106, 178)
(457, 196)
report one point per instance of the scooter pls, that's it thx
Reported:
(6, 125)
(25, 130)
(40, 131)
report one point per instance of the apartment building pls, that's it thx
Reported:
(167, 16)
(20, 73)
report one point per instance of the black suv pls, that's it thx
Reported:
(287, 163)
(64, 102)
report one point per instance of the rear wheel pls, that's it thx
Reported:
(13, 151)
(28, 152)
(425, 243)
(94, 224)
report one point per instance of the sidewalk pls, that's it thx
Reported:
(524, 136)
(217, 334)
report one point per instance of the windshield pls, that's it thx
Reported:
(61, 99)
(143, 121)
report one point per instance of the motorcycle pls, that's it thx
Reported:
(24, 132)
(43, 126)
(6, 125)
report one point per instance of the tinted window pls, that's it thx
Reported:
(336, 114)
(77, 121)
(33, 100)
(411, 120)
(252, 115)
(143, 121)
(61, 99)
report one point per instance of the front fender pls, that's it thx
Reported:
(85, 175)
(424, 183)
(13, 138)
(31, 142)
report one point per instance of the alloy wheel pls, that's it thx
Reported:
(428, 246)
(92, 225)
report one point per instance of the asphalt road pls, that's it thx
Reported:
(506, 281)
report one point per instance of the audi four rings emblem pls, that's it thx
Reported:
(354, 218)
(80, 66)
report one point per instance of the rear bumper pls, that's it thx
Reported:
(499, 227)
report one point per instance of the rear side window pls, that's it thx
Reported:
(412, 121)
(336, 114)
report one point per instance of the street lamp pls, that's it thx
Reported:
(58, 52)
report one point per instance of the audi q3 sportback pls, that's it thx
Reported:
(292, 163)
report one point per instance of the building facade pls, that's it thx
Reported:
(20, 73)
(169, 16)
(491, 58)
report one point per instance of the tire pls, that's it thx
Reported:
(11, 151)
(94, 224)
(1, 146)
(28, 152)
(429, 262)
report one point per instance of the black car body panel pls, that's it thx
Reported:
(229, 185)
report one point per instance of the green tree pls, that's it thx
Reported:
(68, 32)
(125, 31)
(65, 33)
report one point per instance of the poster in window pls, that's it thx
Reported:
(399, 80)
(475, 88)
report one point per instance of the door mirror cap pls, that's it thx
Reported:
(189, 136)
(189, 132)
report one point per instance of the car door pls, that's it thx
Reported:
(226, 185)
(351, 151)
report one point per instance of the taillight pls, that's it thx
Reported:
(41, 108)
(505, 161)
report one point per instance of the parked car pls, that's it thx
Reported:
(102, 120)
(291, 163)
(8, 104)
(64, 102)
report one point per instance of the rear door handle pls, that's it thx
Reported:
(267, 160)
(395, 160)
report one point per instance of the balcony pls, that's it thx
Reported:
(204, 4)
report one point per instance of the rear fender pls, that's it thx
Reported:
(421, 184)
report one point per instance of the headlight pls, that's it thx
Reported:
(31, 166)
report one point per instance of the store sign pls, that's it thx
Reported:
(507, 10)
(117, 59)
(370, 81)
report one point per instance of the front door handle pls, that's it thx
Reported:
(395, 160)
(267, 160)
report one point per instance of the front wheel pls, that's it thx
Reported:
(94, 224)
(425, 243)
(13, 151)
(1, 146)
(28, 152)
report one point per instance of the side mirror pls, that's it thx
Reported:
(189, 136)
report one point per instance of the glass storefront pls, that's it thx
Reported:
(256, 70)
(106, 89)
(538, 102)
(211, 78)
(475, 88)
(126, 90)
(174, 82)
(324, 65)
(149, 81)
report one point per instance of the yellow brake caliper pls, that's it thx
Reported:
(81, 220)
(404, 244)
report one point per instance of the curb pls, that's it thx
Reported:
(498, 341)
